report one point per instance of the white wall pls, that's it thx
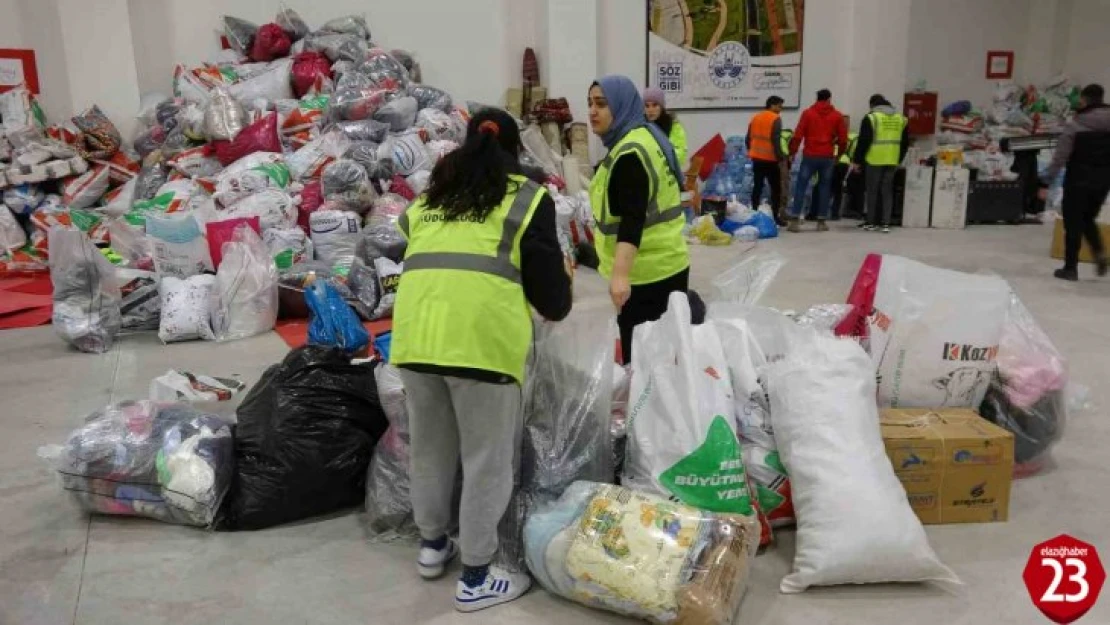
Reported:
(949, 40)
(1088, 47)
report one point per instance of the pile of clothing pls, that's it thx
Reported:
(1014, 111)
(168, 462)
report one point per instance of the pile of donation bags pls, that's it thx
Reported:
(752, 420)
(318, 147)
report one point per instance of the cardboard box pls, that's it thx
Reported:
(956, 466)
(1084, 251)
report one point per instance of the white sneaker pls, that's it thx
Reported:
(431, 563)
(500, 586)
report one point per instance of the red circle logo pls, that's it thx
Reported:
(1064, 577)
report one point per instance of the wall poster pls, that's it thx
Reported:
(725, 54)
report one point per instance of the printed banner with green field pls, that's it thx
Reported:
(712, 54)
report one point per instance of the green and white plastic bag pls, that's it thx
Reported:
(682, 439)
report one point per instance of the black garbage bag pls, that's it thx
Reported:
(1035, 428)
(303, 443)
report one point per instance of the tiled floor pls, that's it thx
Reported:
(58, 566)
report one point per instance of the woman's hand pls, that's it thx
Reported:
(619, 291)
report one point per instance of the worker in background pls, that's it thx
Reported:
(637, 207)
(841, 173)
(785, 164)
(482, 246)
(1084, 148)
(655, 107)
(884, 139)
(764, 144)
(825, 135)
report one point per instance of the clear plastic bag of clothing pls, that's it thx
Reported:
(431, 97)
(168, 462)
(246, 296)
(86, 292)
(566, 434)
(350, 25)
(363, 130)
(304, 439)
(408, 59)
(381, 240)
(346, 182)
(642, 555)
(388, 503)
(354, 104)
(1028, 393)
(292, 23)
(400, 113)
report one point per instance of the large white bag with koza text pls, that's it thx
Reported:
(934, 334)
(855, 525)
(682, 438)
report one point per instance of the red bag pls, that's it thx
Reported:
(270, 43)
(261, 136)
(220, 232)
(312, 198)
(308, 67)
(401, 187)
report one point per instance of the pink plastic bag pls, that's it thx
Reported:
(270, 43)
(261, 136)
(220, 232)
(308, 68)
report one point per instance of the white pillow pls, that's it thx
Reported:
(855, 525)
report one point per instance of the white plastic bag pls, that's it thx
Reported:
(310, 160)
(224, 116)
(12, 236)
(272, 85)
(245, 302)
(682, 438)
(855, 525)
(408, 152)
(179, 245)
(186, 308)
(250, 174)
(934, 334)
(389, 278)
(84, 190)
(335, 234)
(273, 207)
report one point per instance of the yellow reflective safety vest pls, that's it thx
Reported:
(662, 252)
(678, 140)
(461, 301)
(853, 139)
(886, 146)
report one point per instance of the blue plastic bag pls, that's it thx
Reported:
(764, 223)
(333, 323)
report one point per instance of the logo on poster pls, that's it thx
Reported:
(669, 77)
(729, 64)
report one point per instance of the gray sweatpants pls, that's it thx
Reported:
(880, 189)
(481, 423)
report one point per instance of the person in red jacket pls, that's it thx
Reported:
(825, 135)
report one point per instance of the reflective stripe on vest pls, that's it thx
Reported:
(886, 147)
(662, 251)
(500, 265)
(847, 156)
(760, 132)
(461, 302)
(654, 215)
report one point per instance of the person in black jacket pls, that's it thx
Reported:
(1084, 147)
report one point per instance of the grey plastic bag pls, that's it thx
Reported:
(431, 97)
(388, 504)
(291, 22)
(400, 114)
(363, 130)
(347, 183)
(86, 294)
(240, 33)
(224, 117)
(351, 25)
(566, 434)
